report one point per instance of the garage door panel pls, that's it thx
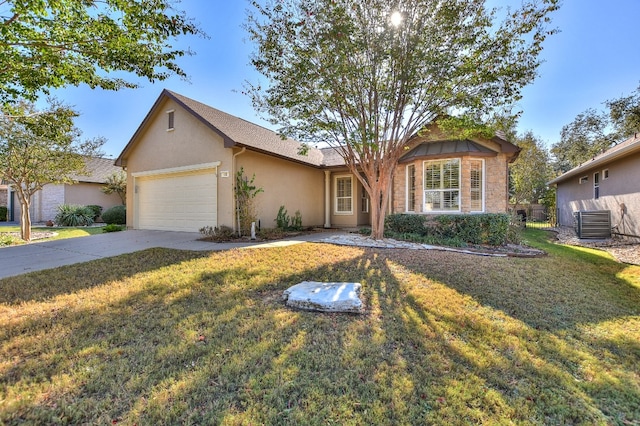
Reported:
(180, 202)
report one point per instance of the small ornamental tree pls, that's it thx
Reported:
(246, 192)
(39, 148)
(365, 76)
(116, 184)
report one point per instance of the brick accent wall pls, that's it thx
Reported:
(3, 197)
(495, 185)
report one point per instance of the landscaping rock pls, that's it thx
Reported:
(325, 297)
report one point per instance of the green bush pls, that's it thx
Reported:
(97, 210)
(74, 215)
(116, 215)
(406, 223)
(282, 219)
(4, 212)
(454, 229)
(112, 228)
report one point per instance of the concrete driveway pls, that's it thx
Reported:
(36, 256)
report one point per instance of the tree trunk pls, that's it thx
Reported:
(25, 218)
(379, 198)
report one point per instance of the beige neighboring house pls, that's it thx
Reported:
(183, 157)
(87, 191)
(609, 181)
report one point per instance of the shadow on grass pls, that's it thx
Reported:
(207, 339)
(43, 285)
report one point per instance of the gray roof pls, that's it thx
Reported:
(446, 147)
(99, 170)
(620, 150)
(239, 132)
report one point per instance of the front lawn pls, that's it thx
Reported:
(172, 337)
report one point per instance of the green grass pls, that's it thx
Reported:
(63, 232)
(172, 337)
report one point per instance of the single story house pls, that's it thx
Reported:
(609, 181)
(182, 161)
(86, 191)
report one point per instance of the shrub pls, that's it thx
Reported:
(4, 214)
(285, 222)
(406, 223)
(97, 210)
(116, 215)
(217, 234)
(282, 219)
(74, 215)
(454, 229)
(112, 228)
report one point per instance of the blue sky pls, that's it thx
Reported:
(595, 57)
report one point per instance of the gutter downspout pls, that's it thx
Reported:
(327, 199)
(236, 220)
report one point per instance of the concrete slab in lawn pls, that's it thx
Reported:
(325, 297)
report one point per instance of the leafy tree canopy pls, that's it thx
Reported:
(593, 131)
(53, 43)
(365, 76)
(39, 148)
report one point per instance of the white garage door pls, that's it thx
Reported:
(177, 201)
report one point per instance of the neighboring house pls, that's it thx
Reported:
(609, 181)
(87, 191)
(182, 161)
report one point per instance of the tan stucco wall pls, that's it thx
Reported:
(285, 183)
(89, 193)
(620, 194)
(190, 143)
(495, 184)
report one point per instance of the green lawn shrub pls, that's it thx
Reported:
(74, 215)
(4, 212)
(112, 228)
(97, 210)
(116, 215)
(451, 229)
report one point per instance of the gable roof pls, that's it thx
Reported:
(235, 132)
(99, 170)
(618, 151)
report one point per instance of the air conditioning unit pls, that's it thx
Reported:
(593, 224)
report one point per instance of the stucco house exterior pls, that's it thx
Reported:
(609, 181)
(44, 203)
(182, 161)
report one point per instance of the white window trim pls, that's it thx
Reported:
(406, 190)
(484, 188)
(605, 174)
(596, 185)
(583, 179)
(424, 170)
(335, 195)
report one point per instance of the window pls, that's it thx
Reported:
(605, 174)
(364, 200)
(344, 195)
(596, 185)
(477, 185)
(583, 179)
(411, 188)
(442, 185)
(170, 118)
